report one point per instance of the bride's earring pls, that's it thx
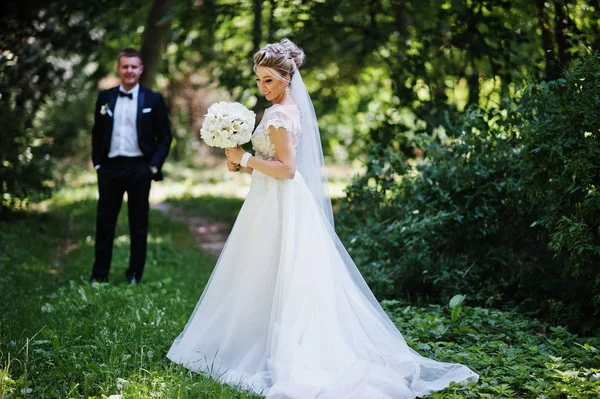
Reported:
(287, 90)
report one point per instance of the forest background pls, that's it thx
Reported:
(467, 132)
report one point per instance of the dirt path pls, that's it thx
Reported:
(210, 234)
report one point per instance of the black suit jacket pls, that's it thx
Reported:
(153, 127)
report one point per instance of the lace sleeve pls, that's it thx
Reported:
(279, 119)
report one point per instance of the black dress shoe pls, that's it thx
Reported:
(98, 279)
(131, 278)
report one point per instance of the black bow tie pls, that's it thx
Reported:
(123, 94)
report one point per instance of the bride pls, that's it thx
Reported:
(286, 313)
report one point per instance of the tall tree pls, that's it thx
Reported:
(154, 39)
(595, 4)
(257, 25)
(561, 33)
(551, 67)
(271, 27)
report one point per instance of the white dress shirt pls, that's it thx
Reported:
(124, 140)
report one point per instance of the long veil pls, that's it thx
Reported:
(433, 375)
(310, 163)
(309, 160)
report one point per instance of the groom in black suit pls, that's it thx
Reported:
(130, 142)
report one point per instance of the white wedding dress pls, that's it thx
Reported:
(286, 314)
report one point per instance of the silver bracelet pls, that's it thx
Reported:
(245, 158)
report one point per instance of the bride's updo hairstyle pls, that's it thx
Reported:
(280, 59)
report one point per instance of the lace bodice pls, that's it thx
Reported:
(286, 116)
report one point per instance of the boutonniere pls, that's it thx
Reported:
(106, 110)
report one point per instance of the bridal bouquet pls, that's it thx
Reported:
(227, 125)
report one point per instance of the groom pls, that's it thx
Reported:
(130, 142)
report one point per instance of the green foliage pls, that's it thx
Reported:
(34, 159)
(506, 210)
(561, 131)
(23, 167)
(66, 339)
(368, 63)
(66, 123)
(422, 59)
(460, 218)
(514, 356)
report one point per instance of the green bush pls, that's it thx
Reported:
(506, 211)
(459, 222)
(24, 172)
(561, 131)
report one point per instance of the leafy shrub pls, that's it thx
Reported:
(561, 126)
(506, 211)
(35, 158)
(516, 357)
(24, 170)
(459, 223)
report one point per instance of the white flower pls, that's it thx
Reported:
(227, 125)
(104, 110)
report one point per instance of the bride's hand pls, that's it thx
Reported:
(234, 154)
(232, 167)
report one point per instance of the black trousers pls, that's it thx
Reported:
(115, 177)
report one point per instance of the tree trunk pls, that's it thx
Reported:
(473, 83)
(551, 69)
(475, 50)
(257, 30)
(271, 32)
(154, 39)
(561, 26)
(371, 31)
(596, 42)
(401, 22)
(210, 23)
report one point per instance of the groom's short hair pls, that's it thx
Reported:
(130, 52)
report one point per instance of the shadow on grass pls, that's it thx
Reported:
(223, 209)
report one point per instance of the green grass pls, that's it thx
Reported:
(62, 338)
(223, 209)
